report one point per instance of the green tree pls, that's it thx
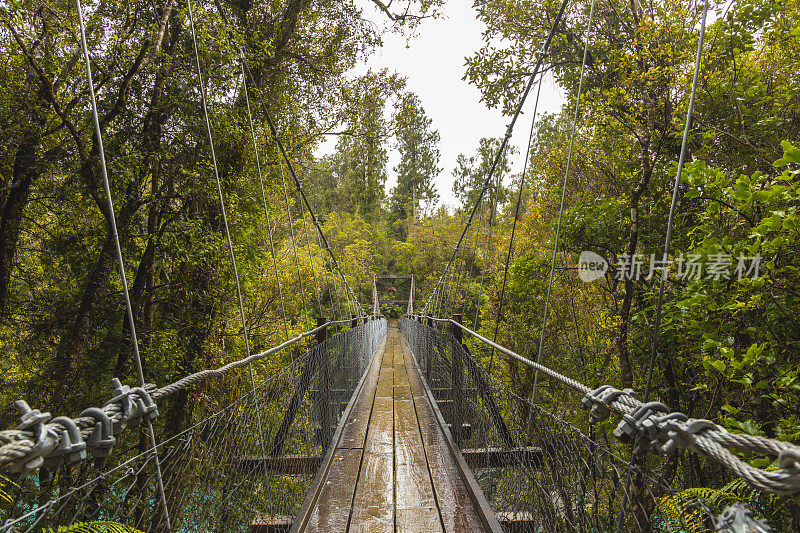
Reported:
(471, 173)
(417, 144)
(361, 152)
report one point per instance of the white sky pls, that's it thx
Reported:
(434, 64)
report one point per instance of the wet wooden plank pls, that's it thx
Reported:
(414, 488)
(455, 506)
(373, 505)
(418, 520)
(354, 431)
(333, 506)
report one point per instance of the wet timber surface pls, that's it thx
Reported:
(392, 469)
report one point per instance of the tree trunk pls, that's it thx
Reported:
(25, 172)
(626, 373)
(73, 343)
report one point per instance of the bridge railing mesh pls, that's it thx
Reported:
(246, 464)
(541, 472)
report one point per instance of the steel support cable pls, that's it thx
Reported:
(561, 205)
(334, 296)
(276, 139)
(264, 200)
(245, 333)
(492, 220)
(303, 197)
(455, 279)
(466, 271)
(514, 224)
(16, 444)
(112, 220)
(294, 244)
(310, 259)
(439, 295)
(282, 152)
(712, 440)
(474, 262)
(670, 220)
(515, 116)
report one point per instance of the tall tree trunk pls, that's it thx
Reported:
(626, 372)
(73, 343)
(25, 172)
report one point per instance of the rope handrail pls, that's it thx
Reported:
(24, 448)
(652, 428)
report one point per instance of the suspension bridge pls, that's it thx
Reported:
(379, 425)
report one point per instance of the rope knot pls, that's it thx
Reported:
(681, 432)
(640, 426)
(71, 446)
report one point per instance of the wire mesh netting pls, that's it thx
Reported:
(541, 472)
(250, 462)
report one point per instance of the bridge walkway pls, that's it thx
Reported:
(391, 468)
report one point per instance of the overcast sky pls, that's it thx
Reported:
(433, 63)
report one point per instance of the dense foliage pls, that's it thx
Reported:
(729, 348)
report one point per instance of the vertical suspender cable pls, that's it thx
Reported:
(474, 263)
(664, 270)
(264, 200)
(492, 219)
(510, 127)
(303, 198)
(112, 219)
(514, 225)
(310, 258)
(560, 209)
(294, 245)
(245, 334)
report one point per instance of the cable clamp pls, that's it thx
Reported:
(632, 429)
(737, 518)
(598, 402)
(135, 404)
(680, 433)
(46, 437)
(71, 447)
(102, 440)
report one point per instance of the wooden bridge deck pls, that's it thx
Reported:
(391, 468)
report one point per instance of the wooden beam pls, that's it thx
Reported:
(281, 464)
(518, 521)
(497, 457)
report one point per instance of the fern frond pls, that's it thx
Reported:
(95, 527)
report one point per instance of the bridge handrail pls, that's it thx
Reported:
(24, 448)
(653, 428)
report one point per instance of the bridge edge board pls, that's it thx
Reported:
(309, 502)
(485, 512)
